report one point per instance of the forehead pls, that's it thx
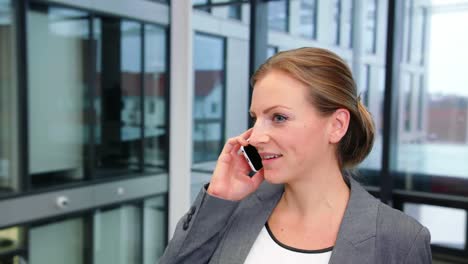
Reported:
(277, 87)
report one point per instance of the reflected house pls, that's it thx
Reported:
(448, 116)
(207, 113)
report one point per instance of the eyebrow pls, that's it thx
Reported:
(270, 108)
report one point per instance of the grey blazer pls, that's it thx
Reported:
(222, 232)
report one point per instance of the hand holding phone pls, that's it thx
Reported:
(252, 157)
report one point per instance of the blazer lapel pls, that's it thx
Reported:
(356, 237)
(248, 223)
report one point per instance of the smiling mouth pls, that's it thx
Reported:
(271, 156)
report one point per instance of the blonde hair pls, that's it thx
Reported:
(331, 87)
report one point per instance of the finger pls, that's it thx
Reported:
(258, 178)
(246, 134)
(229, 145)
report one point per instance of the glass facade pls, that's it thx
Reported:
(9, 180)
(432, 139)
(99, 125)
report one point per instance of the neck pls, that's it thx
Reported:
(324, 192)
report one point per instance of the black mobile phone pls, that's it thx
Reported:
(253, 158)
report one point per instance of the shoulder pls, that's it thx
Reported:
(396, 224)
(400, 234)
(398, 237)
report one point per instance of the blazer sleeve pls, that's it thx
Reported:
(199, 232)
(420, 251)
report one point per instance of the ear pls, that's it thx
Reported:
(339, 125)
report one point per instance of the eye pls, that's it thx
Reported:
(277, 118)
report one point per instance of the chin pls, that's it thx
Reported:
(274, 177)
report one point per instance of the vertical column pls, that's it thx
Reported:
(258, 38)
(181, 101)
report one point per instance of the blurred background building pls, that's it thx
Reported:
(112, 113)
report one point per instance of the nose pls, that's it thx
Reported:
(259, 134)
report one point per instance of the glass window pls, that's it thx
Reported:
(132, 233)
(88, 107)
(235, 11)
(278, 15)
(57, 79)
(370, 29)
(433, 139)
(118, 97)
(117, 235)
(447, 225)
(57, 243)
(345, 29)
(208, 108)
(335, 23)
(155, 229)
(417, 35)
(308, 19)
(156, 99)
(9, 181)
(373, 79)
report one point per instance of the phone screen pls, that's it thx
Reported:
(252, 156)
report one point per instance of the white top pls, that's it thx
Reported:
(267, 249)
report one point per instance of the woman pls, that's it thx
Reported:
(310, 126)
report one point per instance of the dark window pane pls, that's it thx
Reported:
(278, 15)
(156, 96)
(57, 73)
(8, 98)
(118, 97)
(209, 94)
